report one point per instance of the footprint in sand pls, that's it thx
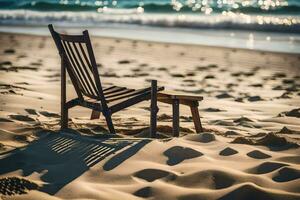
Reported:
(36, 64)
(274, 141)
(231, 133)
(236, 74)
(222, 123)
(279, 75)
(5, 120)
(256, 85)
(209, 77)
(151, 175)
(122, 62)
(224, 96)
(14, 185)
(164, 118)
(143, 65)
(286, 130)
(249, 74)
(162, 69)
(136, 70)
(288, 81)
(190, 74)
(286, 174)
(242, 119)
(205, 137)
(212, 110)
(212, 66)
(186, 118)
(228, 152)
(266, 167)
(107, 74)
(255, 98)
(140, 74)
(210, 179)
(49, 114)
(9, 51)
(290, 159)
(201, 68)
(178, 154)
(31, 111)
(291, 113)
(256, 154)
(144, 192)
(21, 138)
(6, 63)
(249, 192)
(2, 147)
(22, 118)
(177, 75)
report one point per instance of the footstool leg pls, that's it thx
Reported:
(154, 109)
(196, 119)
(175, 105)
(95, 114)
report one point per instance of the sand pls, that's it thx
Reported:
(250, 114)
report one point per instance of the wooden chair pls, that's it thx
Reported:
(77, 58)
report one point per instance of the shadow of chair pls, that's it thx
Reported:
(62, 157)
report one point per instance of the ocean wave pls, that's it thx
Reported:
(216, 21)
(154, 6)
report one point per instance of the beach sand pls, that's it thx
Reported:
(250, 114)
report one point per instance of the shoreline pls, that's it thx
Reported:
(245, 41)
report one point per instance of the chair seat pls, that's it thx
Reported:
(118, 98)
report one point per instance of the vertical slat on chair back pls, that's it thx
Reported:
(81, 64)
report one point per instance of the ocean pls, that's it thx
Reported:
(272, 25)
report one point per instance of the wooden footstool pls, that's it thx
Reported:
(176, 98)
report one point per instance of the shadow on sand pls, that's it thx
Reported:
(62, 157)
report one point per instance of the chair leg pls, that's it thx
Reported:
(64, 118)
(110, 124)
(175, 107)
(154, 109)
(63, 93)
(95, 114)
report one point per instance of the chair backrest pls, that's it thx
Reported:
(77, 56)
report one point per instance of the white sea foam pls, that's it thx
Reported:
(132, 16)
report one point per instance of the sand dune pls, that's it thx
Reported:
(250, 113)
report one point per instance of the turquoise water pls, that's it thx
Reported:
(258, 15)
(161, 6)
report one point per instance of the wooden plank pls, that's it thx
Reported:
(81, 74)
(86, 58)
(108, 88)
(178, 95)
(120, 93)
(75, 69)
(90, 82)
(72, 38)
(181, 101)
(114, 90)
(129, 94)
(122, 104)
